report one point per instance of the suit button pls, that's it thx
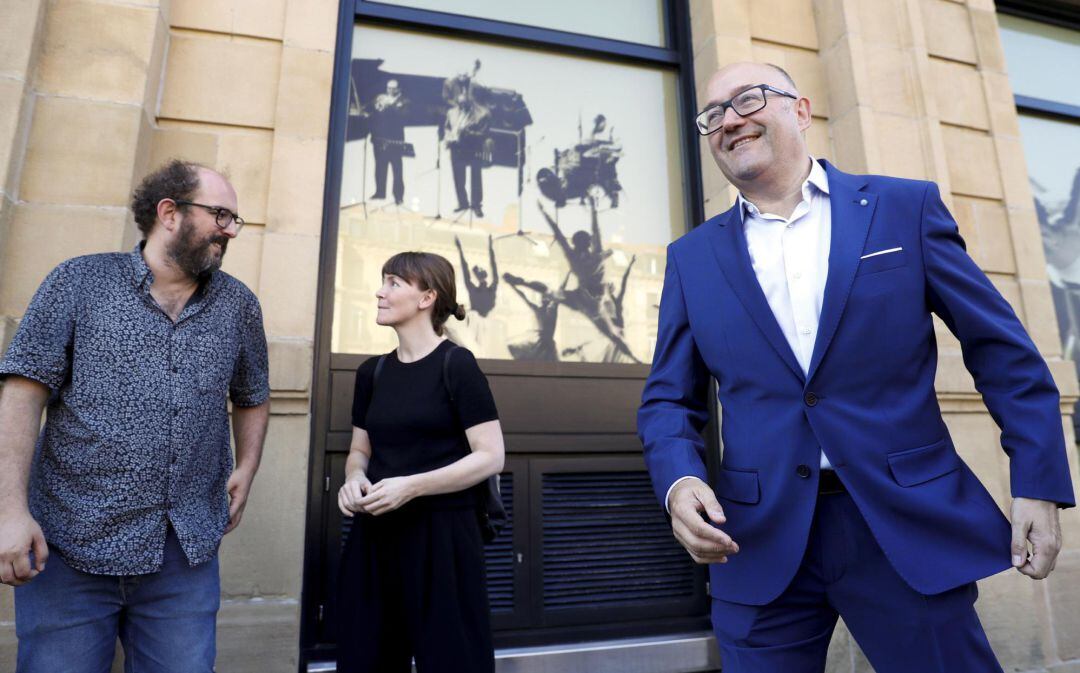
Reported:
(810, 399)
(803, 471)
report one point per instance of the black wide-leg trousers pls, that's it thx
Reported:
(412, 584)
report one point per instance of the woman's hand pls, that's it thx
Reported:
(389, 494)
(352, 492)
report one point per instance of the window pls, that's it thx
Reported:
(1049, 106)
(1029, 47)
(639, 21)
(553, 184)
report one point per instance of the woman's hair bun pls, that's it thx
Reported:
(459, 312)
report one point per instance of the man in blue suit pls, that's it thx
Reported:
(840, 492)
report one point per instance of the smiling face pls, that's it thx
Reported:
(198, 244)
(401, 302)
(765, 144)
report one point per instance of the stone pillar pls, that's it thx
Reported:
(247, 91)
(19, 46)
(87, 119)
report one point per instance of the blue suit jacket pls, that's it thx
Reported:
(868, 401)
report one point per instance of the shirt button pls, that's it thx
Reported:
(811, 399)
(175, 413)
(797, 274)
(805, 330)
(175, 370)
(803, 471)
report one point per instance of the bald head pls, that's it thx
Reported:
(735, 77)
(216, 188)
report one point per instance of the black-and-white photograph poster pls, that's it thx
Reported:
(550, 182)
(1053, 157)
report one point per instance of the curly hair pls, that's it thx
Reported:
(177, 179)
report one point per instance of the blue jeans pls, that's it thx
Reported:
(68, 621)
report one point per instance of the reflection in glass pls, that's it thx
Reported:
(1029, 47)
(1053, 158)
(640, 21)
(553, 184)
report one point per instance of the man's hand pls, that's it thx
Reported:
(352, 492)
(19, 535)
(706, 544)
(1035, 521)
(388, 495)
(238, 486)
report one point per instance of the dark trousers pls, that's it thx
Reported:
(413, 585)
(388, 156)
(460, 159)
(844, 573)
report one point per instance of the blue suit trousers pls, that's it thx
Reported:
(844, 573)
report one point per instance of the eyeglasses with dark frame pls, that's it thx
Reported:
(745, 103)
(222, 216)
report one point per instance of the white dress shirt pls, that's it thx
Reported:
(790, 257)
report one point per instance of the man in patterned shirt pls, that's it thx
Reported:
(110, 525)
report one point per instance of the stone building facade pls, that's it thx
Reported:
(94, 92)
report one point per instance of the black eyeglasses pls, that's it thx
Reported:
(223, 217)
(744, 103)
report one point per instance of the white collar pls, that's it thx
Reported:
(817, 178)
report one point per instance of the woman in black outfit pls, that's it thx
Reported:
(412, 572)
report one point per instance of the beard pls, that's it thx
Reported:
(197, 258)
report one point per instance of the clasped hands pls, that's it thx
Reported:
(358, 494)
(1036, 529)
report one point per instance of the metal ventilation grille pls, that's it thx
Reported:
(606, 542)
(499, 554)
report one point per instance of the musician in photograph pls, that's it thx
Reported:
(603, 152)
(388, 139)
(466, 135)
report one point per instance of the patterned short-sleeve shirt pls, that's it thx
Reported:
(137, 428)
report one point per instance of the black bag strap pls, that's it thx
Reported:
(446, 371)
(378, 369)
(375, 377)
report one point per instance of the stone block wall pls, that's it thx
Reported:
(93, 93)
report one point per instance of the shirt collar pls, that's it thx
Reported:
(142, 277)
(817, 179)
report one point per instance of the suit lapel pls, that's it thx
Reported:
(852, 210)
(729, 245)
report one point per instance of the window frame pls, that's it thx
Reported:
(1055, 13)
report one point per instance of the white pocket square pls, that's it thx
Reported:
(881, 252)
